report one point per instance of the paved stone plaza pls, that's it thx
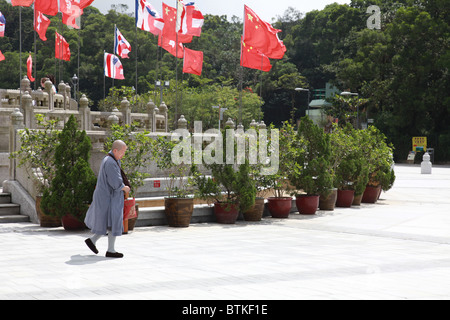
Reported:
(398, 248)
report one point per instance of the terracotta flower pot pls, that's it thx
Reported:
(328, 202)
(179, 211)
(357, 200)
(371, 194)
(279, 207)
(255, 213)
(226, 213)
(345, 198)
(45, 220)
(70, 223)
(307, 204)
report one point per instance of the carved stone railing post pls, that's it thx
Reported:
(85, 113)
(230, 123)
(15, 126)
(62, 91)
(163, 110)
(51, 100)
(126, 111)
(27, 106)
(152, 111)
(182, 123)
(67, 97)
(113, 118)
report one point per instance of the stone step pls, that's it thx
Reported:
(16, 218)
(158, 201)
(5, 197)
(8, 209)
(10, 212)
(155, 216)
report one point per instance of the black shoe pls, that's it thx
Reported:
(114, 254)
(91, 245)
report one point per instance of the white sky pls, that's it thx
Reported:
(266, 9)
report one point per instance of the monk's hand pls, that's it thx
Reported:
(126, 189)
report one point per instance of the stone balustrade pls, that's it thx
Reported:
(61, 106)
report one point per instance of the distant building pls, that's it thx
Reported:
(319, 96)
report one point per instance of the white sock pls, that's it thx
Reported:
(95, 238)
(111, 242)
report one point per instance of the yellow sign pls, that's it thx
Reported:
(419, 143)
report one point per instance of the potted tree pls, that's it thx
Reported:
(262, 184)
(179, 203)
(138, 157)
(280, 203)
(37, 156)
(231, 190)
(72, 187)
(229, 186)
(311, 169)
(351, 171)
(378, 154)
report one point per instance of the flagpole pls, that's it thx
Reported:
(260, 87)
(242, 74)
(35, 57)
(20, 54)
(78, 64)
(114, 49)
(104, 80)
(136, 33)
(176, 71)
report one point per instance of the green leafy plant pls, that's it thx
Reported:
(350, 167)
(287, 146)
(180, 181)
(228, 183)
(72, 187)
(37, 151)
(311, 169)
(378, 154)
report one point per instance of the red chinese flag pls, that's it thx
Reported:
(262, 35)
(253, 59)
(30, 68)
(22, 3)
(41, 24)
(193, 61)
(70, 12)
(2, 57)
(168, 44)
(170, 21)
(48, 7)
(62, 50)
(85, 3)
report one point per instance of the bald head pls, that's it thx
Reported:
(118, 144)
(118, 148)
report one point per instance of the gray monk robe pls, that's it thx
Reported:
(106, 210)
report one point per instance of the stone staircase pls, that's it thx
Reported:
(10, 212)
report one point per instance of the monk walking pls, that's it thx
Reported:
(105, 215)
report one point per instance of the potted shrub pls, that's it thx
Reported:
(280, 204)
(261, 183)
(138, 157)
(229, 186)
(351, 171)
(179, 203)
(37, 156)
(311, 169)
(378, 154)
(259, 174)
(72, 187)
